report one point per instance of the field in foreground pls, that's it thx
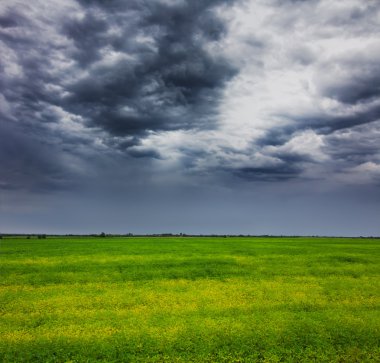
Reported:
(190, 300)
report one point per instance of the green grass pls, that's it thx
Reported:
(190, 300)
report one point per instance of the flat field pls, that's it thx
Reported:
(190, 300)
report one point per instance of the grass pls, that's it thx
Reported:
(190, 300)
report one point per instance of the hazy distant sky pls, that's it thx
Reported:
(193, 116)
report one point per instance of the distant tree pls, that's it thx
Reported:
(102, 234)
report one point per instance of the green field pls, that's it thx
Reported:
(190, 300)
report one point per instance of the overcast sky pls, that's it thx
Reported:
(193, 116)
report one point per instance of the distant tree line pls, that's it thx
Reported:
(103, 235)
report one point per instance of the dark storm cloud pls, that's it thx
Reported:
(146, 79)
(167, 82)
(323, 124)
(11, 19)
(88, 34)
(283, 171)
(146, 153)
(356, 145)
(170, 83)
(121, 70)
(350, 140)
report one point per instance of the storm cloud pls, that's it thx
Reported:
(229, 93)
(122, 70)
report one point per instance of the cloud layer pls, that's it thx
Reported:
(266, 91)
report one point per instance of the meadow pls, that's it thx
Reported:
(189, 299)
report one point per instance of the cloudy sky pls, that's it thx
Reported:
(193, 116)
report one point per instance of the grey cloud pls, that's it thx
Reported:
(355, 146)
(279, 172)
(353, 78)
(325, 123)
(89, 36)
(120, 72)
(144, 153)
(171, 82)
(349, 139)
(158, 75)
(357, 18)
(303, 55)
(30, 163)
(11, 19)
